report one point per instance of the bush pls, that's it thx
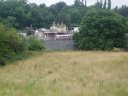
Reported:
(101, 30)
(35, 44)
(11, 44)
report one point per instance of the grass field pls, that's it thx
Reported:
(67, 74)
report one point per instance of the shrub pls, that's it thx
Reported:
(35, 44)
(11, 44)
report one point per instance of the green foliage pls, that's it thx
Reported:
(101, 30)
(11, 44)
(20, 14)
(78, 3)
(102, 5)
(105, 4)
(123, 11)
(35, 44)
(98, 4)
(76, 14)
(109, 4)
(14, 47)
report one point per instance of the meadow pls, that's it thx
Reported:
(67, 74)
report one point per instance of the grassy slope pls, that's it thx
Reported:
(67, 74)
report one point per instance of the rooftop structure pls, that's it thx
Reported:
(59, 27)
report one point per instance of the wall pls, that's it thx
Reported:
(60, 45)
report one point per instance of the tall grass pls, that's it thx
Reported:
(67, 74)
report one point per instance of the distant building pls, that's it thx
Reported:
(59, 27)
(74, 29)
(57, 31)
(23, 34)
(39, 34)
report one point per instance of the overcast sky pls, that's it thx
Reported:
(69, 2)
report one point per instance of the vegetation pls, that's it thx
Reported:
(102, 30)
(64, 73)
(67, 74)
(21, 14)
(13, 46)
(123, 10)
(35, 45)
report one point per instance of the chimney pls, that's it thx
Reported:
(58, 23)
(54, 23)
(62, 23)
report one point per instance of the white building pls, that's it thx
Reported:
(39, 34)
(56, 31)
(23, 34)
(59, 27)
(75, 29)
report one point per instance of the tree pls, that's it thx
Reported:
(65, 18)
(58, 10)
(78, 3)
(109, 4)
(10, 21)
(15, 9)
(98, 4)
(123, 10)
(59, 6)
(85, 3)
(101, 30)
(105, 4)
(76, 15)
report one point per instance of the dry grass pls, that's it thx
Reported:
(67, 74)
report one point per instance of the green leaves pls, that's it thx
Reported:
(11, 44)
(35, 44)
(101, 30)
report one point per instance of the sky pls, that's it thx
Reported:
(70, 2)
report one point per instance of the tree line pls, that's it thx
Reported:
(20, 14)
